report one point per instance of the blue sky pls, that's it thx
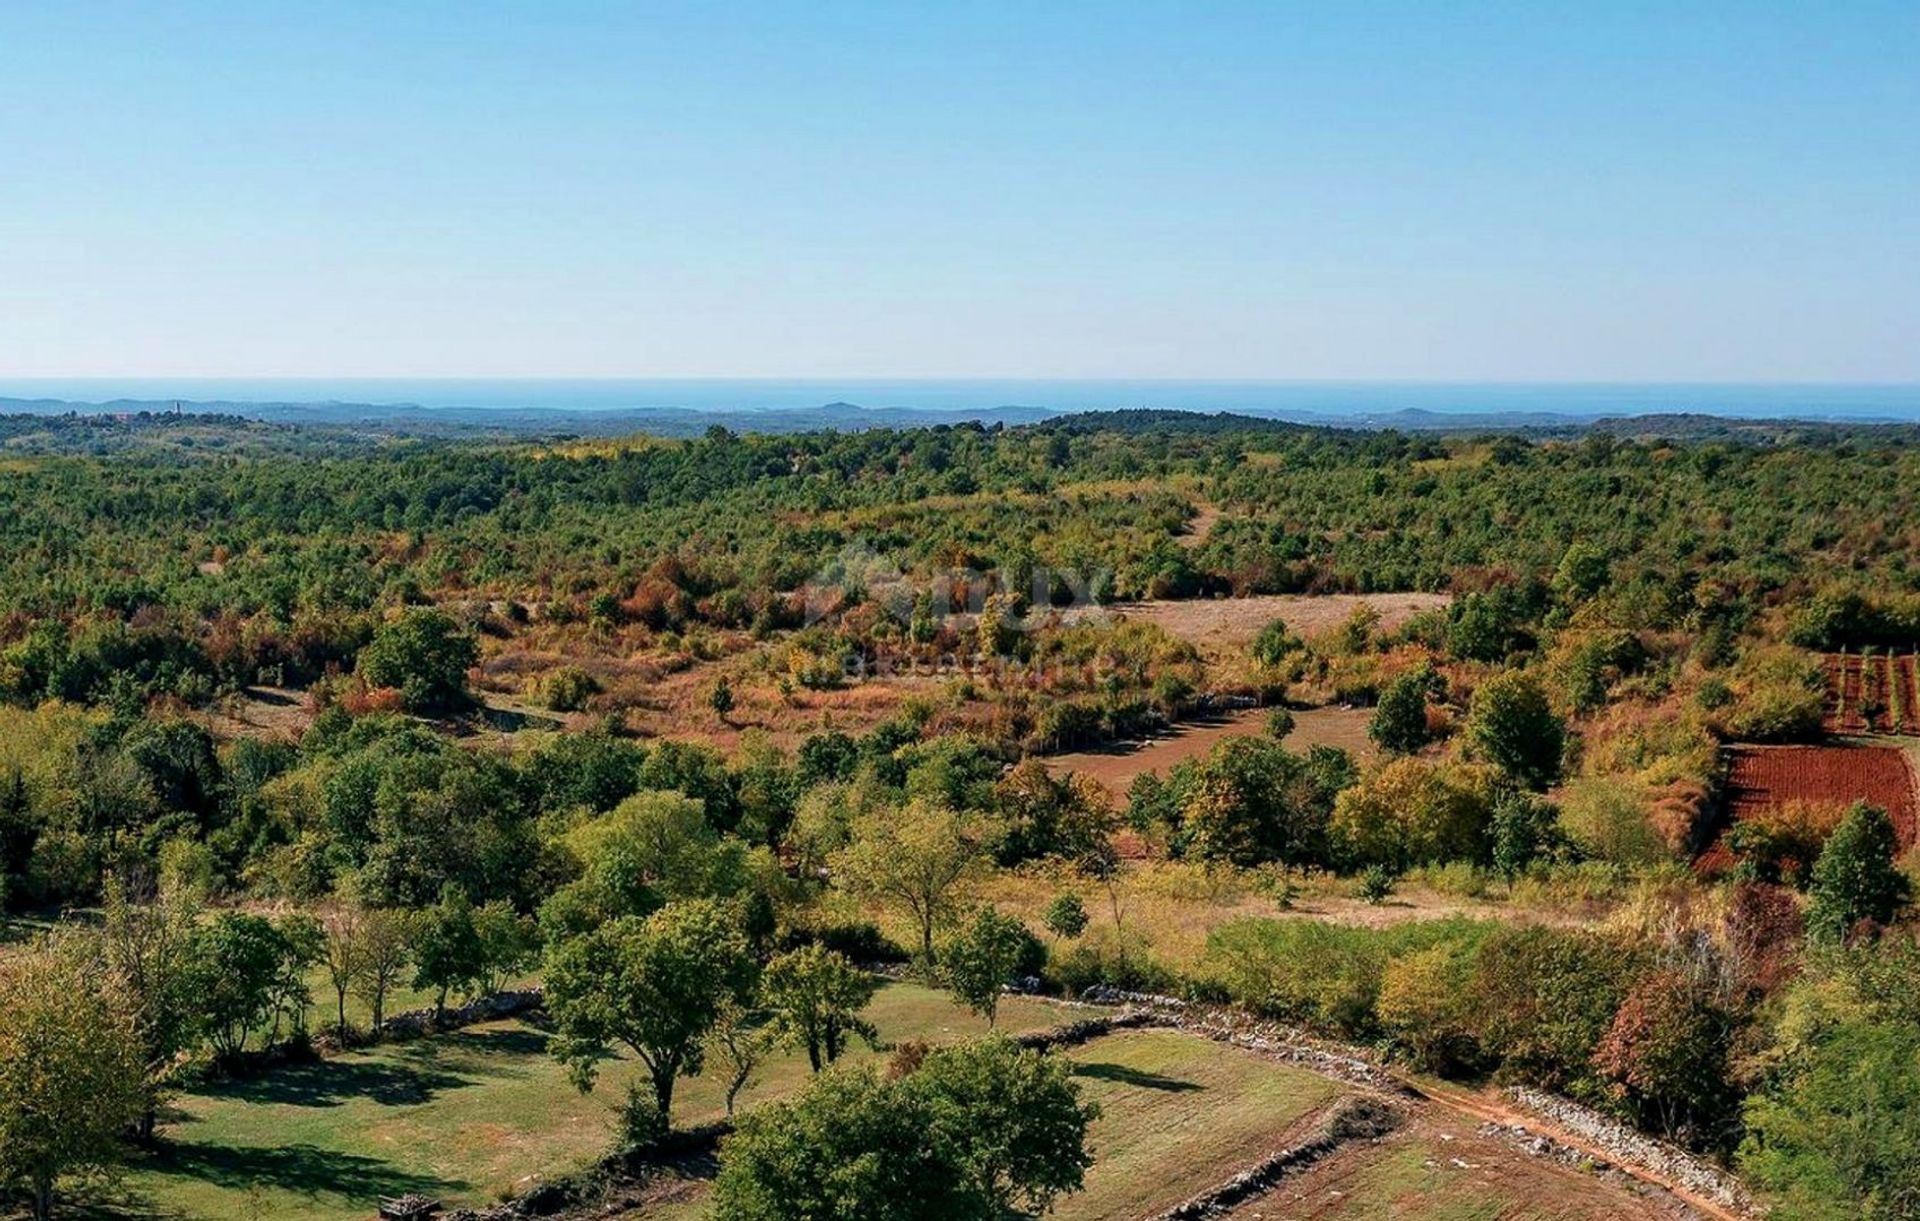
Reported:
(1715, 191)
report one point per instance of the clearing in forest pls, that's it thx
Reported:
(1224, 625)
(1115, 766)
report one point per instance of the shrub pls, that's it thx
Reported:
(1413, 812)
(1545, 997)
(1426, 1007)
(1066, 916)
(568, 689)
(1376, 884)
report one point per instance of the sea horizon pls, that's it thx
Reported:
(1851, 400)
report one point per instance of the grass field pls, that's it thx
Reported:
(466, 1117)
(1178, 1114)
(1441, 1172)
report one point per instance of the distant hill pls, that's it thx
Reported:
(413, 419)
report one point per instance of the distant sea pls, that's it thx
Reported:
(1283, 399)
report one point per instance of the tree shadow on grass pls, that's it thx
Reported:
(1121, 1074)
(301, 1169)
(330, 1083)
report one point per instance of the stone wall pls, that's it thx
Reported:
(1352, 1119)
(413, 1023)
(1676, 1165)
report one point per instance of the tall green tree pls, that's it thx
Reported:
(1854, 878)
(239, 961)
(1512, 726)
(148, 950)
(655, 986)
(448, 953)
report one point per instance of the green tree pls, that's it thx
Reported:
(239, 962)
(653, 848)
(509, 944)
(1513, 727)
(917, 858)
(656, 986)
(1837, 1137)
(71, 1076)
(850, 1147)
(1855, 879)
(1399, 724)
(1583, 572)
(1066, 916)
(446, 948)
(1526, 828)
(739, 1043)
(424, 654)
(975, 1133)
(343, 954)
(1279, 723)
(986, 955)
(1041, 814)
(385, 953)
(1275, 643)
(815, 996)
(1013, 1118)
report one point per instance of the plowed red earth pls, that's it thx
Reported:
(1761, 777)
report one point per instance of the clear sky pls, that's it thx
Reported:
(1704, 190)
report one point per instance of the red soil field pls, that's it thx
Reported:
(1761, 777)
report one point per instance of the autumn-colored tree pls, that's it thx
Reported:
(1426, 1006)
(1414, 812)
(1667, 1052)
